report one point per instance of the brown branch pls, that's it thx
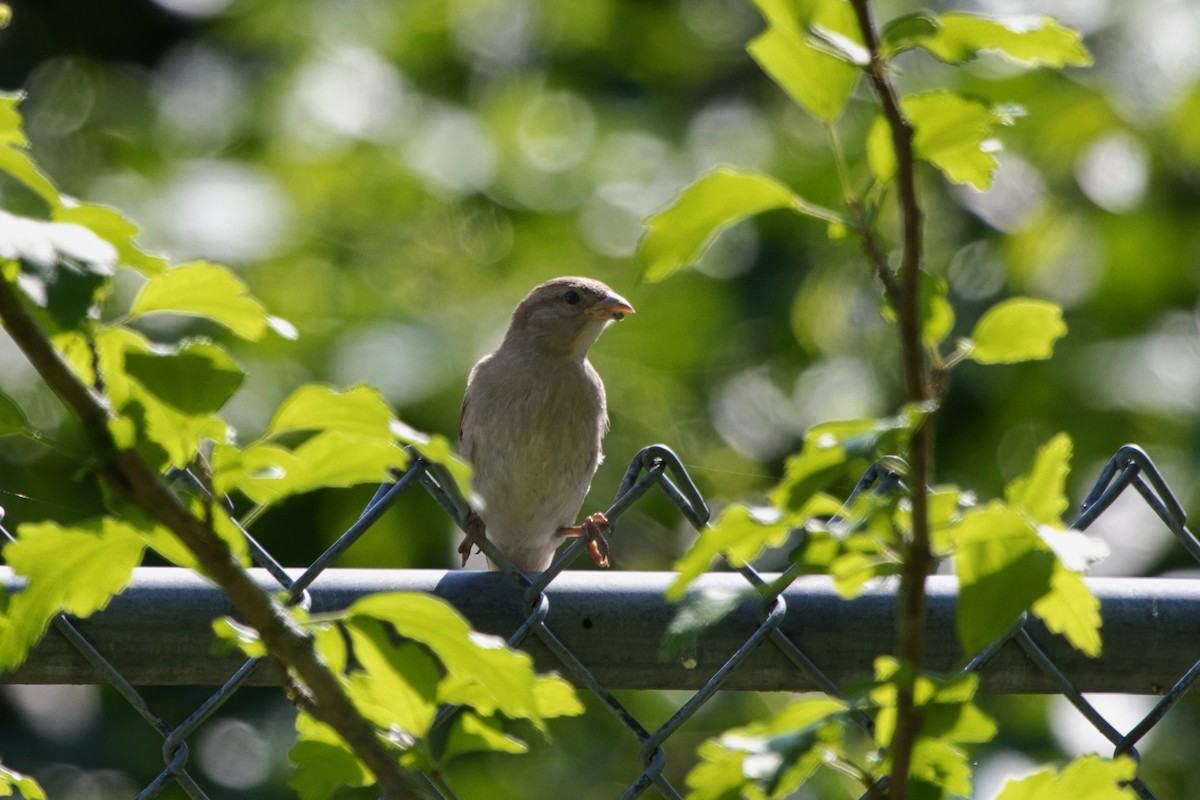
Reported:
(910, 616)
(134, 480)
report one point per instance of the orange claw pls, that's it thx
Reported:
(474, 534)
(592, 530)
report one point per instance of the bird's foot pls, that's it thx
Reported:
(592, 530)
(474, 534)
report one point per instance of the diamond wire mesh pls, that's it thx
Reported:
(656, 466)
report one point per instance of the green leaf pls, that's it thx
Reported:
(324, 764)
(817, 80)
(1042, 493)
(195, 380)
(17, 164)
(480, 670)
(75, 570)
(230, 634)
(10, 779)
(1020, 329)
(333, 460)
(12, 418)
(956, 134)
(205, 290)
(937, 314)
(907, 31)
(470, 734)
(740, 533)
(678, 235)
(769, 759)
(1088, 776)
(699, 611)
(1030, 41)
(1071, 609)
(1003, 567)
(439, 450)
(109, 225)
(359, 411)
(394, 685)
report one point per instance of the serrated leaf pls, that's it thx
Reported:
(359, 411)
(1003, 567)
(768, 759)
(75, 570)
(17, 164)
(816, 80)
(1088, 776)
(323, 762)
(439, 450)
(10, 779)
(1028, 40)
(12, 418)
(740, 533)
(333, 460)
(1042, 493)
(109, 225)
(480, 670)
(956, 134)
(230, 634)
(470, 734)
(678, 235)
(205, 290)
(195, 380)
(46, 245)
(393, 684)
(1072, 610)
(1020, 329)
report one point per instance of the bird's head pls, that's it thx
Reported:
(565, 315)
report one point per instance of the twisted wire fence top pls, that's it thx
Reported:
(656, 467)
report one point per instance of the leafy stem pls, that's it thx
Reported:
(134, 480)
(910, 617)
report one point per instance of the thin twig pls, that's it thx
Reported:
(134, 480)
(910, 616)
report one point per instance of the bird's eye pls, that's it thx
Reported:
(572, 297)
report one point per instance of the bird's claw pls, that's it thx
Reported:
(475, 532)
(593, 530)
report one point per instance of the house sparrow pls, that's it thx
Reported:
(532, 421)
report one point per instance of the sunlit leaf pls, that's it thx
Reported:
(17, 164)
(818, 81)
(209, 291)
(1027, 40)
(439, 450)
(768, 759)
(48, 244)
(74, 569)
(1088, 776)
(956, 134)
(1003, 567)
(112, 227)
(196, 380)
(480, 670)
(334, 460)
(698, 611)
(11, 780)
(678, 235)
(12, 418)
(324, 764)
(739, 532)
(470, 734)
(359, 411)
(1020, 329)
(230, 634)
(393, 684)
(1042, 493)
(1070, 608)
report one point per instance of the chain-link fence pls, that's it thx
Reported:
(534, 629)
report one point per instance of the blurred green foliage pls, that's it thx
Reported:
(391, 177)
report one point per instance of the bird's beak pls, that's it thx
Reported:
(612, 307)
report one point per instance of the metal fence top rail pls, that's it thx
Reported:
(159, 631)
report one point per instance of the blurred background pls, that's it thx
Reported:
(393, 175)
